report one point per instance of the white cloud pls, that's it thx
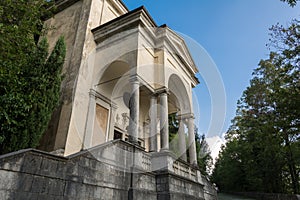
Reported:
(215, 144)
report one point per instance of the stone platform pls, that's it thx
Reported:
(114, 170)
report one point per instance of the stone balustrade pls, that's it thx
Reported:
(124, 154)
(185, 170)
(146, 162)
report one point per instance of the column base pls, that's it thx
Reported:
(195, 165)
(164, 150)
(133, 140)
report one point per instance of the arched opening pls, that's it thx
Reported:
(179, 104)
(179, 99)
(110, 78)
(111, 113)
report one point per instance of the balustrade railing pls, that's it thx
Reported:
(185, 170)
(143, 160)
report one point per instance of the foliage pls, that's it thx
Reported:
(173, 136)
(228, 169)
(204, 158)
(263, 142)
(29, 78)
(291, 2)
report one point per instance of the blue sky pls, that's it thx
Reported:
(233, 32)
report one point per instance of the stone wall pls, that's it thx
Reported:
(42, 177)
(104, 172)
(172, 186)
(210, 191)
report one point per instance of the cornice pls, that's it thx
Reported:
(127, 21)
(63, 4)
(162, 90)
(121, 6)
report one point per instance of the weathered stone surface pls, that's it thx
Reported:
(14, 165)
(144, 194)
(55, 187)
(8, 180)
(45, 176)
(39, 185)
(49, 167)
(25, 181)
(23, 195)
(4, 194)
(31, 164)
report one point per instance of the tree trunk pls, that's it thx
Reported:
(292, 166)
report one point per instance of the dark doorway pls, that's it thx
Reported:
(117, 135)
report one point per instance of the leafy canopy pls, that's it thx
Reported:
(263, 142)
(291, 2)
(30, 78)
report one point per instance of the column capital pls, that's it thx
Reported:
(163, 90)
(92, 93)
(114, 106)
(153, 96)
(134, 79)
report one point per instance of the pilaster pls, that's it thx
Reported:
(89, 127)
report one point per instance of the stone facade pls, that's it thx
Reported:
(74, 20)
(112, 52)
(123, 77)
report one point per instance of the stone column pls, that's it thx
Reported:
(192, 144)
(182, 141)
(134, 107)
(89, 126)
(153, 123)
(164, 122)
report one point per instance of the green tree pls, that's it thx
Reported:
(30, 78)
(204, 158)
(173, 134)
(266, 126)
(291, 2)
(228, 173)
(281, 75)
